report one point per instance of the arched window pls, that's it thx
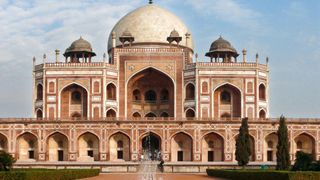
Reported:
(204, 87)
(150, 115)
(111, 92)
(150, 96)
(136, 115)
(190, 92)
(164, 114)
(76, 97)
(250, 87)
(262, 114)
(39, 114)
(39, 92)
(164, 95)
(225, 97)
(136, 95)
(262, 92)
(190, 113)
(111, 113)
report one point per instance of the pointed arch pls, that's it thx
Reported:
(262, 114)
(111, 112)
(190, 91)
(39, 113)
(119, 147)
(262, 92)
(234, 105)
(181, 147)
(305, 142)
(88, 147)
(111, 91)
(212, 147)
(3, 142)
(39, 92)
(27, 145)
(190, 113)
(73, 98)
(57, 146)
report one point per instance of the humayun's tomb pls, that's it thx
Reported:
(149, 90)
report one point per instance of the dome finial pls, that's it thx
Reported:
(150, 2)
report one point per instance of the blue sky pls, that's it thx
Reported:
(288, 31)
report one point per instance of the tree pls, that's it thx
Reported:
(303, 162)
(243, 148)
(283, 157)
(6, 161)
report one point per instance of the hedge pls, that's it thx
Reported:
(263, 174)
(40, 174)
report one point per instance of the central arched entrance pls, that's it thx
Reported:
(227, 102)
(151, 146)
(150, 92)
(74, 102)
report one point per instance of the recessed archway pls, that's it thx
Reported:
(212, 148)
(151, 146)
(145, 94)
(262, 92)
(74, 102)
(270, 147)
(39, 92)
(181, 147)
(3, 143)
(262, 114)
(305, 143)
(88, 147)
(190, 113)
(111, 113)
(111, 92)
(190, 92)
(27, 145)
(57, 147)
(150, 115)
(119, 147)
(227, 100)
(39, 114)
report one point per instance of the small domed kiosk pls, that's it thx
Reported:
(79, 51)
(222, 49)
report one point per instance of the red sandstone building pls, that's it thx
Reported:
(152, 86)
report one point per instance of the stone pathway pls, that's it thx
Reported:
(131, 176)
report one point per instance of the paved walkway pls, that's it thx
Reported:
(129, 176)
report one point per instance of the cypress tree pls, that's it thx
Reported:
(243, 149)
(283, 157)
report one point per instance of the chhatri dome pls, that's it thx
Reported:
(150, 24)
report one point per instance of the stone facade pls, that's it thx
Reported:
(156, 92)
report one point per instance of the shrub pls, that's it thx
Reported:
(262, 175)
(6, 161)
(303, 161)
(37, 174)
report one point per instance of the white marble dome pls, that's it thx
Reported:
(150, 24)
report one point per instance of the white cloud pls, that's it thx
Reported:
(31, 28)
(230, 11)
